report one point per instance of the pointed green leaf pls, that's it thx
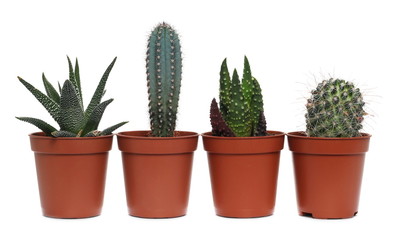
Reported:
(96, 99)
(247, 82)
(78, 78)
(111, 129)
(71, 113)
(63, 134)
(71, 72)
(73, 81)
(94, 119)
(42, 125)
(224, 89)
(257, 105)
(93, 133)
(50, 90)
(51, 106)
(239, 111)
(236, 88)
(59, 88)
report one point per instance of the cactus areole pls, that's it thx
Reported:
(241, 112)
(164, 70)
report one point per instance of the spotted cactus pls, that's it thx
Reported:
(335, 109)
(241, 105)
(164, 70)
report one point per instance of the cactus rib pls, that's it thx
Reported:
(164, 69)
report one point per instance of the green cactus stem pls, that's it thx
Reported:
(335, 109)
(225, 86)
(164, 70)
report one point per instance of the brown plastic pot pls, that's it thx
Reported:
(244, 172)
(71, 174)
(328, 174)
(157, 172)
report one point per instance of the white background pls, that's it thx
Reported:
(290, 45)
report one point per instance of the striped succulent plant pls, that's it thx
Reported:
(66, 106)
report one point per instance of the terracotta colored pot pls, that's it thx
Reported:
(328, 174)
(244, 172)
(71, 174)
(157, 172)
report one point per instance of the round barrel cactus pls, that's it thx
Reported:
(335, 109)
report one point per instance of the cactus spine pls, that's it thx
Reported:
(164, 70)
(241, 111)
(335, 109)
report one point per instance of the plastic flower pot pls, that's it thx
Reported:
(244, 172)
(157, 172)
(328, 174)
(71, 174)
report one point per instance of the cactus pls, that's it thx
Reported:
(164, 70)
(241, 112)
(335, 109)
(66, 106)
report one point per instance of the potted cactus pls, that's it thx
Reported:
(71, 162)
(243, 156)
(329, 156)
(157, 164)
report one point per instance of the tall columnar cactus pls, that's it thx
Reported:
(164, 70)
(335, 109)
(66, 106)
(241, 110)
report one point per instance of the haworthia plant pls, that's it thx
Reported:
(335, 109)
(66, 106)
(164, 70)
(241, 111)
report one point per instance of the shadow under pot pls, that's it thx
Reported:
(71, 174)
(328, 174)
(244, 172)
(157, 172)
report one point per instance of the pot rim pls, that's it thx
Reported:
(41, 135)
(124, 134)
(302, 134)
(276, 134)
